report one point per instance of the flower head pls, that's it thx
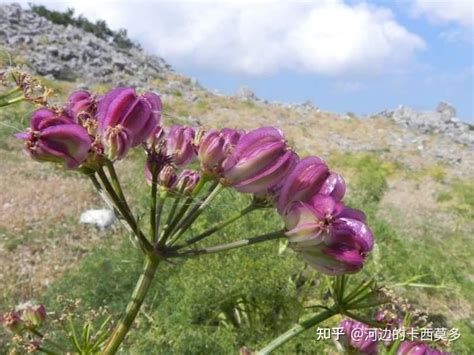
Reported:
(187, 181)
(167, 177)
(81, 105)
(214, 147)
(330, 236)
(180, 145)
(260, 160)
(334, 186)
(126, 119)
(56, 138)
(304, 182)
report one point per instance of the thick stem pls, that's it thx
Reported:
(296, 330)
(228, 246)
(217, 227)
(136, 300)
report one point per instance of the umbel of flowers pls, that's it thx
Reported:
(186, 168)
(91, 131)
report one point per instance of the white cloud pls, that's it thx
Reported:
(262, 38)
(457, 12)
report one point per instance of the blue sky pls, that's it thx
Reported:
(358, 56)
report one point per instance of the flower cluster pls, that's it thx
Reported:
(26, 317)
(89, 130)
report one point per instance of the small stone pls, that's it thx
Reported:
(101, 218)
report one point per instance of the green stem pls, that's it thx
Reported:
(161, 203)
(228, 246)
(357, 291)
(110, 203)
(116, 184)
(10, 92)
(11, 101)
(144, 243)
(154, 193)
(173, 221)
(195, 213)
(136, 300)
(52, 343)
(296, 330)
(171, 226)
(172, 212)
(217, 227)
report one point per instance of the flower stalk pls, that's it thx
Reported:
(218, 227)
(133, 307)
(296, 330)
(228, 246)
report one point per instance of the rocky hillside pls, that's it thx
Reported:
(73, 56)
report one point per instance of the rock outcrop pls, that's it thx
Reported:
(442, 121)
(68, 53)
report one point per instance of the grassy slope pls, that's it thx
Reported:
(421, 214)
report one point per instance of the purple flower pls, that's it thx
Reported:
(356, 336)
(215, 147)
(180, 145)
(304, 182)
(81, 105)
(334, 186)
(167, 177)
(56, 138)
(418, 348)
(260, 160)
(331, 237)
(126, 120)
(187, 181)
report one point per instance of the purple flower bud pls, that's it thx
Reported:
(418, 348)
(215, 147)
(34, 315)
(12, 322)
(81, 105)
(334, 186)
(260, 160)
(167, 177)
(180, 145)
(126, 120)
(330, 236)
(56, 138)
(232, 136)
(187, 181)
(356, 336)
(303, 183)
